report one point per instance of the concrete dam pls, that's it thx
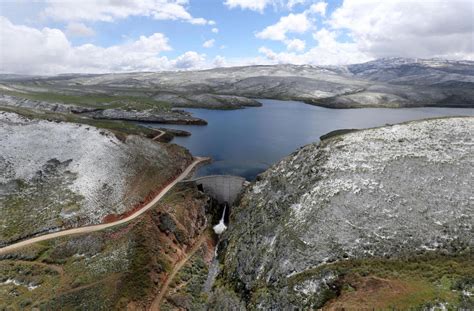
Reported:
(224, 188)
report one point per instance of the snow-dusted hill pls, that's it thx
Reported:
(393, 82)
(384, 193)
(63, 174)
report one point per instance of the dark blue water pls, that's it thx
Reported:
(245, 142)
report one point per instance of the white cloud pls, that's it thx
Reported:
(361, 30)
(408, 28)
(355, 32)
(319, 8)
(30, 49)
(328, 51)
(110, 10)
(293, 23)
(260, 5)
(209, 43)
(295, 45)
(219, 61)
(254, 5)
(189, 60)
(48, 51)
(268, 53)
(293, 3)
(79, 30)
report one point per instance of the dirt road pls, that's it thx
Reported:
(159, 135)
(155, 306)
(93, 228)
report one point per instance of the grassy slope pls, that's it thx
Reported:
(120, 128)
(100, 101)
(52, 193)
(105, 270)
(411, 283)
(186, 290)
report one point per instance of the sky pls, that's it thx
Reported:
(95, 36)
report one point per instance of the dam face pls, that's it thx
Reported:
(224, 188)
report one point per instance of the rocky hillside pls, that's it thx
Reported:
(354, 218)
(416, 71)
(128, 113)
(57, 174)
(394, 82)
(121, 268)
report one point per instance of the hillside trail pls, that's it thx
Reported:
(156, 304)
(93, 228)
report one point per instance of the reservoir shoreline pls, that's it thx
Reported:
(246, 142)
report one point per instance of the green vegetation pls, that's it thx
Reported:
(414, 282)
(30, 281)
(97, 296)
(136, 283)
(120, 128)
(49, 189)
(70, 273)
(105, 270)
(100, 101)
(186, 290)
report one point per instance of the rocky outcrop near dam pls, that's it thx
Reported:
(370, 198)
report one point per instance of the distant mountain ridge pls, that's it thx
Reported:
(388, 82)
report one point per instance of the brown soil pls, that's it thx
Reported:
(155, 306)
(371, 293)
(151, 195)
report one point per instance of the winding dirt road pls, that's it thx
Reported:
(93, 228)
(156, 304)
(159, 135)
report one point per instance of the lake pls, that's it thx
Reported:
(246, 142)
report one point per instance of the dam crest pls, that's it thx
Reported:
(224, 188)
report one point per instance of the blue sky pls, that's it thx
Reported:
(172, 34)
(236, 36)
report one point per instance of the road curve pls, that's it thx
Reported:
(159, 135)
(93, 228)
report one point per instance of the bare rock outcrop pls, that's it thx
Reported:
(386, 192)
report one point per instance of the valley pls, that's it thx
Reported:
(358, 188)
